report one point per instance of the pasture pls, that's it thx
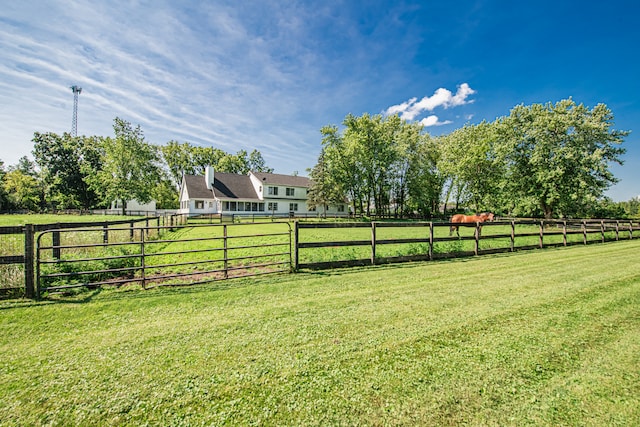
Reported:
(542, 337)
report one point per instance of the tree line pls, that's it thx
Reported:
(91, 172)
(542, 160)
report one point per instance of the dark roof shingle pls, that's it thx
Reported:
(225, 185)
(277, 179)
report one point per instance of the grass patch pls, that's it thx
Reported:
(22, 219)
(546, 338)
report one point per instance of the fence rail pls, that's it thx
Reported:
(165, 251)
(496, 237)
(17, 253)
(162, 256)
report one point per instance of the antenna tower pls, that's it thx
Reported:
(74, 123)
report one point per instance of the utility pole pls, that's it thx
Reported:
(74, 123)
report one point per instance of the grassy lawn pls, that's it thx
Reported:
(10, 220)
(546, 338)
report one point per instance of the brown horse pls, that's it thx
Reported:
(469, 219)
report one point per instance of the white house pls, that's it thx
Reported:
(257, 192)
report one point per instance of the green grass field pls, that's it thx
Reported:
(533, 338)
(10, 220)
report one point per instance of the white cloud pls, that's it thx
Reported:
(433, 121)
(442, 97)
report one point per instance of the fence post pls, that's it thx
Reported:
(584, 231)
(477, 239)
(513, 235)
(295, 246)
(225, 251)
(105, 233)
(29, 288)
(431, 241)
(630, 230)
(541, 234)
(373, 242)
(617, 230)
(142, 262)
(55, 242)
(564, 232)
(602, 229)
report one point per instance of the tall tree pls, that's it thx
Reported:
(25, 166)
(178, 158)
(257, 163)
(424, 181)
(189, 159)
(64, 163)
(557, 156)
(468, 158)
(130, 166)
(4, 200)
(23, 190)
(324, 189)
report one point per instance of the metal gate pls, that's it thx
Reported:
(159, 256)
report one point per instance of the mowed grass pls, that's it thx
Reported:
(533, 338)
(22, 219)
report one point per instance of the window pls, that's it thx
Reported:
(340, 208)
(273, 191)
(261, 207)
(291, 191)
(293, 207)
(272, 206)
(199, 204)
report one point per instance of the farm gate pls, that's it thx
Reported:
(17, 245)
(152, 256)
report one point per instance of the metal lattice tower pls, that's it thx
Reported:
(74, 123)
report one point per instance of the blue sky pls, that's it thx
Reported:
(269, 74)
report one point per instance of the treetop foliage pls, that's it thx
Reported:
(548, 160)
(88, 172)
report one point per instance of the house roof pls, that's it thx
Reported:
(278, 179)
(197, 187)
(225, 185)
(234, 186)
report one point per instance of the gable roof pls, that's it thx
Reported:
(234, 186)
(197, 187)
(278, 179)
(225, 185)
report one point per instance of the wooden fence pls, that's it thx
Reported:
(520, 235)
(352, 243)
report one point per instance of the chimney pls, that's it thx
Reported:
(208, 177)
